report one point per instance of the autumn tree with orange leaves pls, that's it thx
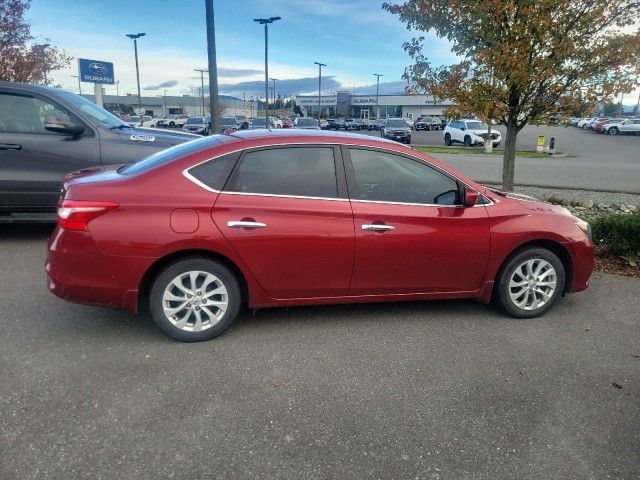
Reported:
(525, 61)
(20, 59)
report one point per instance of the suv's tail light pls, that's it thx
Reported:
(76, 215)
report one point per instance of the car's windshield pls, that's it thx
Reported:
(228, 121)
(396, 123)
(197, 120)
(477, 126)
(307, 122)
(91, 109)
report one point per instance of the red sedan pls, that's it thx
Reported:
(268, 219)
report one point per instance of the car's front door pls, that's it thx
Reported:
(412, 234)
(33, 160)
(286, 213)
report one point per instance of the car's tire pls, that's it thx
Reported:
(530, 282)
(613, 131)
(447, 139)
(172, 124)
(467, 141)
(178, 288)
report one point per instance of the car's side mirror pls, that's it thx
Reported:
(470, 197)
(62, 124)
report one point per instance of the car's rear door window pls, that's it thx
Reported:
(292, 171)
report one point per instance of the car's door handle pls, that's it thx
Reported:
(245, 224)
(10, 146)
(373, 227)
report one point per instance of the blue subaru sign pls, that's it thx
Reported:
(95, 71)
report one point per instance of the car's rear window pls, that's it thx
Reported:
(168, 155)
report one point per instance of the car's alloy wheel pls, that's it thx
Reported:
(447, 139)
(467, 141)
(530, 283)
(613, 131)
(194, 299)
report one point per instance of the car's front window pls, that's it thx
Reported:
(386, 177)
(93, 110)
(477, 126)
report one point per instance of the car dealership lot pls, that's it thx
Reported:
(426, 390)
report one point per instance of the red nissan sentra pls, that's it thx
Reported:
(269, 219)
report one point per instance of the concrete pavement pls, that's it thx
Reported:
(428, 390)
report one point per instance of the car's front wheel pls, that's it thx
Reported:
(194, 299)
(530, 283)
(467, 141)
(447, 139)
(613, 131)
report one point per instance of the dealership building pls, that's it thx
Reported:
(345, 104)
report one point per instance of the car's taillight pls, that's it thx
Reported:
(76, 215)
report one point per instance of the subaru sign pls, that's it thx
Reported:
(95, 71)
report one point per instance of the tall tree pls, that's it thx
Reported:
(525, 61)
(21, 60)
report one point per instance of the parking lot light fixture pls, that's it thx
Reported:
(378, 75)
(320, 65)
(135, 37)
(266, 22)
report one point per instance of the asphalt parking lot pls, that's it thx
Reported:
(427, 390)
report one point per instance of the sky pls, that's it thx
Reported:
(354, 38)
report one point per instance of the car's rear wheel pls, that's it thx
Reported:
(194, 299)
(530, 283)
(447, 139)
(467, 141)
(613, 131)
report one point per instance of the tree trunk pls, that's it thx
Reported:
(509, 158)
(488, 142)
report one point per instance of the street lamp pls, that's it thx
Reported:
(202, 72)
(135, 37)
(79, 85)
(273, 93)
(377, 94)
(320, 65)
(266, 22)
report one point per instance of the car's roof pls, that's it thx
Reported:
(338, 137)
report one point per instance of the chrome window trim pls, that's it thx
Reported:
(193, 179)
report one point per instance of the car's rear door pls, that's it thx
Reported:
(412, 236)
(286, 213)
(33, 160)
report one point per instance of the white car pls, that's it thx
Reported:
(630, 126)
(173, 121)
(469, 132)
(152, 123)
(410, 122)
(134, 120)
(581, 123)
(275, 122)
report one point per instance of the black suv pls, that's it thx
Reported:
(47, 132)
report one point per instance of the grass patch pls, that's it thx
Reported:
(619, 234)
(479, 151)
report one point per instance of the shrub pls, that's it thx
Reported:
(619, 233)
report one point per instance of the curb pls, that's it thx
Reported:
(552, 155)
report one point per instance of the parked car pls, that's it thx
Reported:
(152, 123)
(396, 129)
(259, 123)
(228, 124)
(340, 124)
(322, 124)
(137, 121)
(375, 125)
(276, 122)
(331, 124)
(630, 126)
(288, 123)
(428, 123)
(469, 132)
(581, 123)
(254, 221)
(352, 124)
(173, 121)
(307, 123)
(598, 127)
(199, 125)
(47, 132)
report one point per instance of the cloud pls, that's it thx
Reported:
(167, 84)
(285, 87)
(237, 72)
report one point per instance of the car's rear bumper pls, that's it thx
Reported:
(78, 272)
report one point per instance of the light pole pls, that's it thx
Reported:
(165, 101)
(266, 22)
(202, 72)
(273, 93)
(214, 108)
(79, 84)
(320, 65)
(135, 37)
(377, 95)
